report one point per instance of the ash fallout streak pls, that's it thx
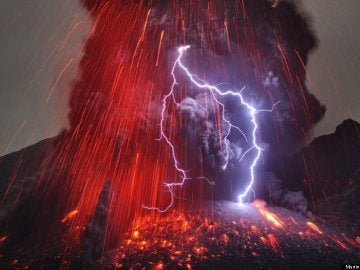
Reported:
(214, 91)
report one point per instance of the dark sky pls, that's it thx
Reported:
(40, 48)
(334, 68)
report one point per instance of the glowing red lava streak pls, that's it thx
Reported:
(269, 216)
(109, 139)
(314, 227)
(69, 216)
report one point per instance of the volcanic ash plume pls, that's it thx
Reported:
(259, 46)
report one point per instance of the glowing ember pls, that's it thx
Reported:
(3, 239)
(341, 244)
(136, 234)
(273, 242)
(357, 239)
(159, 266)
(227, 237)
(314, 227)
(69, 216)
(269, 216)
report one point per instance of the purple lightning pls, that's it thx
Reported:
(214, 91)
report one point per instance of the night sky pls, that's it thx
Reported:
(41, 46)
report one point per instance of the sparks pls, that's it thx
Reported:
(269, 216)
(215, 92)
(314, 227)
(69, 216)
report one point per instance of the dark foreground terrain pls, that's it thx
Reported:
(229, 236)
(204, 235)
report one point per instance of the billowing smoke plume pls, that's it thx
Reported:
(260, 45)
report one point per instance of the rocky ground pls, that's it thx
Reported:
(228, 236)
(213, 235)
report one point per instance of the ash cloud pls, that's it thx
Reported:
(262, 45)
(282, 38)
(200, 112)
(275, 30)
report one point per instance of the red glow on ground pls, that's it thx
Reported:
(269, 216)
(314, 227)
(273, 242)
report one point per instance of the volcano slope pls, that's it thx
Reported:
(193, 235)
(225, 235)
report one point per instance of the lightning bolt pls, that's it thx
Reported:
(215, 92)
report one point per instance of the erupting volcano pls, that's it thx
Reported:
(184, 120)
